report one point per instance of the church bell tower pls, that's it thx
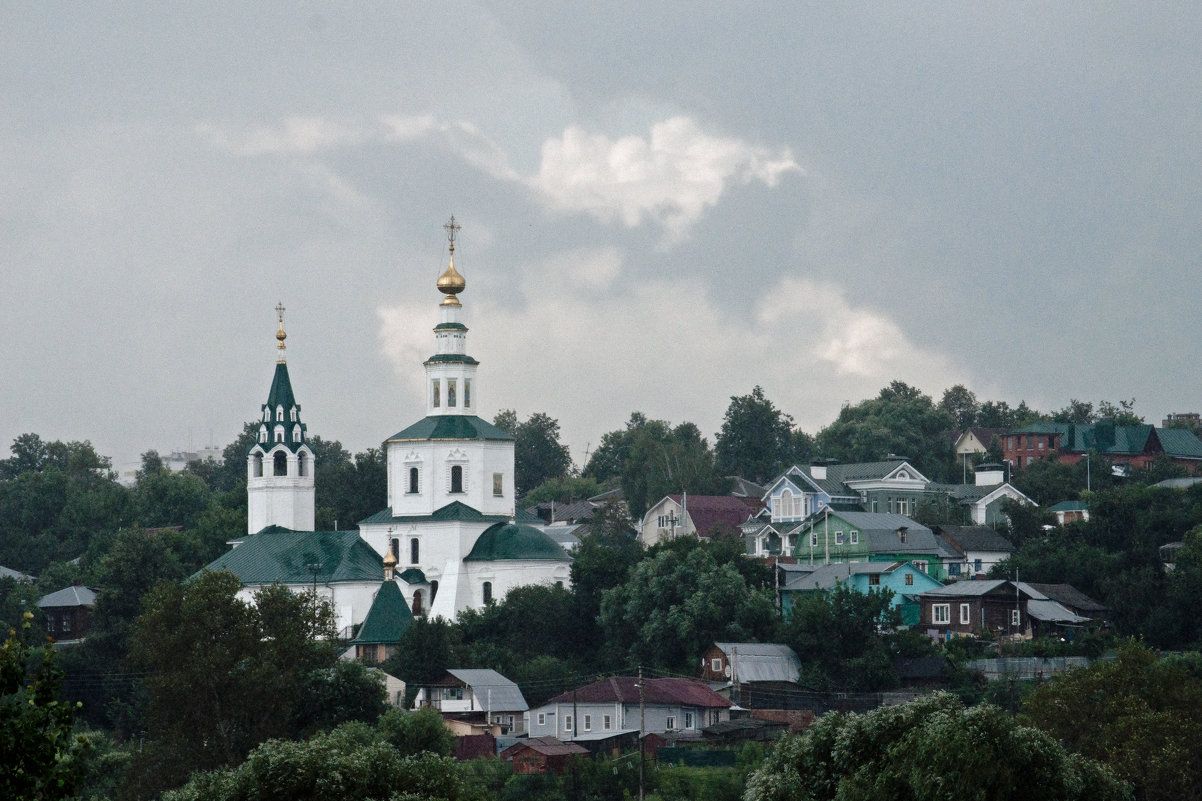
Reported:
(279, 466)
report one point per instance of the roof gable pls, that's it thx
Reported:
(388, 617)
(451, 426)
(278, 554)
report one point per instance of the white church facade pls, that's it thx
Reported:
(449, 522)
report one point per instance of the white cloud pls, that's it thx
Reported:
(590, 357)
(670, 178)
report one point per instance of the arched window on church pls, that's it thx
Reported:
(417, 604)
(279, 413)
(302, 464)
(414, 481)
(262, 433)
(488, 592)
(279, 465)
(293, 414)
(413, 551)
(266, 415)
(256, 465)
(457, 478)
(296, 433)
(279, 433)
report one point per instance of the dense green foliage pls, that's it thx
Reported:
(538, 455)
(934, 749)
(1144, 718)
(756, 440)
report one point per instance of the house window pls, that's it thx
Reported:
(1015, 617)
(467, 393)
(50, 623)
(953, 569)
(588, 722)
(716, 665)
(414, 481)
(488, 592)
(901, 535)
(498, 484)
(976, 565)
(451, 392)
(688, 720)
(414, 550)
(437, 393)
(965, 614)
(941, 613)
(606, 722)
(542, 718)
(909, 579)
(456, 478)
(567, 722)
(921, 564)
(855, 538)
(838, 537)
(813, 539)
(874, 580)
(671, 722)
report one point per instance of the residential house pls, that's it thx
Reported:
(986, 497)
(68, 613)
(980, 548)
(1070, 512)
(905, 580)
(695, 515)
(843, 536)
(542, 755)
(1126, 446)
(972, 442)
(611, 705)
(892, 485)
(481, 699)
(1072, 599)
(1004, 608)
(750, 673)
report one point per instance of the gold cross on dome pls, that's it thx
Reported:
(451, 228)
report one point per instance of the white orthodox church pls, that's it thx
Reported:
(449, 526)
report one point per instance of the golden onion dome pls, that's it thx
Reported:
(451, 283)
(390, 559)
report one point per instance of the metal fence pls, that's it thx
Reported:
(1026, 667)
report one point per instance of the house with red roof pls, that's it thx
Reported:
(611, 706)
(696, 516)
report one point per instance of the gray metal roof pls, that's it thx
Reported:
(825, 577)
(967, 589)
(762, 661)
(1052, 612)
(492, 689)
(7, 572)
(74, 595)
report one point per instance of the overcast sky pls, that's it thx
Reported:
(662, 207)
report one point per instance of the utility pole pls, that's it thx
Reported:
(642, 728)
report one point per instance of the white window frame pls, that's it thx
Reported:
(855, 537)
(588, 722)
(542, 718)
(813, 538)
(688, 720)
(716, 664)
(941, 613)
(567, 722)
(965, 614)
(670, 722)
(838, 537)
(1016, 617)
(606, 722)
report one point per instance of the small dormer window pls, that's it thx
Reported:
(293, 413)
(901, 534)
(296, 433)
(266, 415)
(279, 414)
(279, 433)
(262, 433)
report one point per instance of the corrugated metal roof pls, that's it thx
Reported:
(451, 426)
(762, 661)
(492, 689)
(388, 617)
(669, 691)
(74, 595)
(1052, 612)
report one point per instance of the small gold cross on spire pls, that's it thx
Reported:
(451, 228)
(280, 335)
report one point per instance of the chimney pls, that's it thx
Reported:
(988, 475)
(818, 469)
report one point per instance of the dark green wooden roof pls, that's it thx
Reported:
(459, 358)
(451, 426)
(515, 541)
(413, 575)
(388, 617)
(283, 555)
(455, 510)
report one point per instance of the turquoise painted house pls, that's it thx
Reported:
(905, 580)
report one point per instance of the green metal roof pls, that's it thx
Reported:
(455, 510)
(283, 555)
(1180, 442)
(515, 541)
(451, 426)
(279, 395)
(460, 358)
(281, 390)
(450, 327)
(413, 575)
(388, 617)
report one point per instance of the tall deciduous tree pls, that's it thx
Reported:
(836, 636)
(538, 454)
(756, 440)
(961, 405)
(932, 749)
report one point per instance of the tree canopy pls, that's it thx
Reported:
(756, 440)
(538, 455)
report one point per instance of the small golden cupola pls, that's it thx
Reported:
(390, 561)
(451, 283)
